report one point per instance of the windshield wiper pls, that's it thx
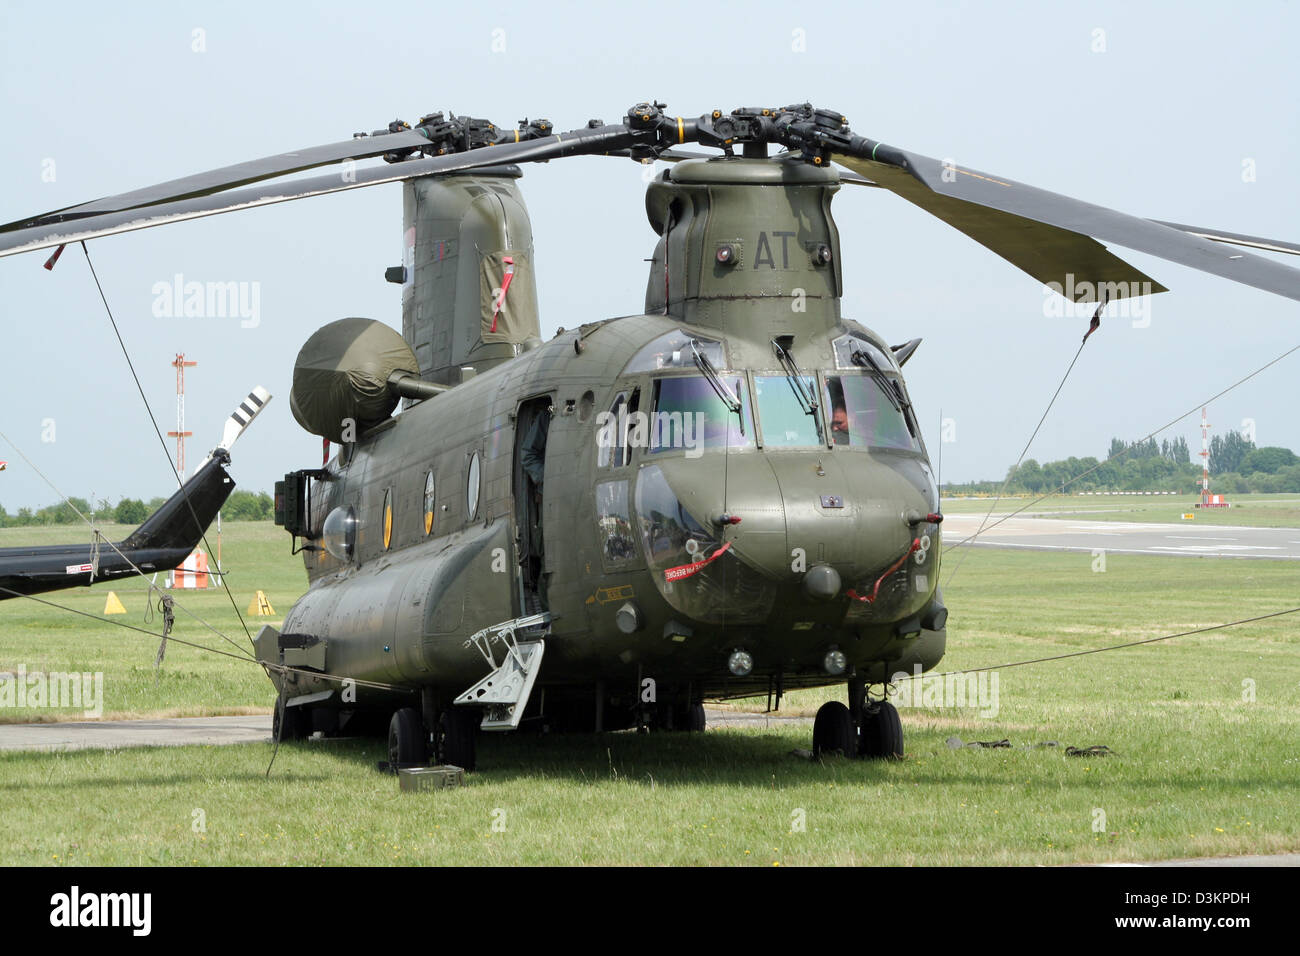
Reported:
(804, 392)
(893, 391)
(715, 381)
(862, 358)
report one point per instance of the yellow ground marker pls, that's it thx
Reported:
(260, 606)
(113, 605)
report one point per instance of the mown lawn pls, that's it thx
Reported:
(1203, 730)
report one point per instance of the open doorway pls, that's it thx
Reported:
(531, 433)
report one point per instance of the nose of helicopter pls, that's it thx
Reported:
(811, 527)
(841, 515)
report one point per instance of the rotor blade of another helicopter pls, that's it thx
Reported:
(227, 177)
(1053, 237)
(107, 224)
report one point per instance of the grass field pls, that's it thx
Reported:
(1252, 511)
(190, 683)
(1204, 730)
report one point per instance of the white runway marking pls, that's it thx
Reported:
(1210, 547)
(1036, 532)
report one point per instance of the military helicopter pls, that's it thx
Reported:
(165, 539)
(552, 533)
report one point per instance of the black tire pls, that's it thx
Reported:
(407, 741)
(695, 720)
(833, 731)
(459, 744)
(689, 718)
(296, 721)
(882, 733)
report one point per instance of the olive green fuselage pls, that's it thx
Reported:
(665, 548)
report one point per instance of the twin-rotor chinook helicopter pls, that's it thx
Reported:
(725, 495)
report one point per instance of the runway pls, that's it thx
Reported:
(189, 731)
(115, 734)
(1119, 537)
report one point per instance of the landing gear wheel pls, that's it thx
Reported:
(833, 730)
(882, 732)
(407, 742)
(296, 722)
(695, 720)
(459, 744)
(689, 717)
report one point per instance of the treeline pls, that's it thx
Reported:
(1236, 467)
(240, 506)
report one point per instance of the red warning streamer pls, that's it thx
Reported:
(686, 570)
(505, 286)
(875, 591)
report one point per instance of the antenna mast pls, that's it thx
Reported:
(180, 434)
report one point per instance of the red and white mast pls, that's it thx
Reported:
(180, 434)
(1205, 458)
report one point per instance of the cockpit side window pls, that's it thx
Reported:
(614, 429)
(607, 430)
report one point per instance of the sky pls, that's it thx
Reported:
(1179, 111)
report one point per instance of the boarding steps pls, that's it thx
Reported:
(503, 693)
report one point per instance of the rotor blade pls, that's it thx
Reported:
(1052, 237)
(853, 179)
(107, 224)
(675, 155)
(266, 194)
(678, 155)
(1074, 264)
(252, 406)
(227, 177)
(1236, 238)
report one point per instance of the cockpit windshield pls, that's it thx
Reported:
(862, 413)
(690, 415)
(787, 420)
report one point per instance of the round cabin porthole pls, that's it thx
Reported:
(339, 533)
(428, 503)
(472, 489)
